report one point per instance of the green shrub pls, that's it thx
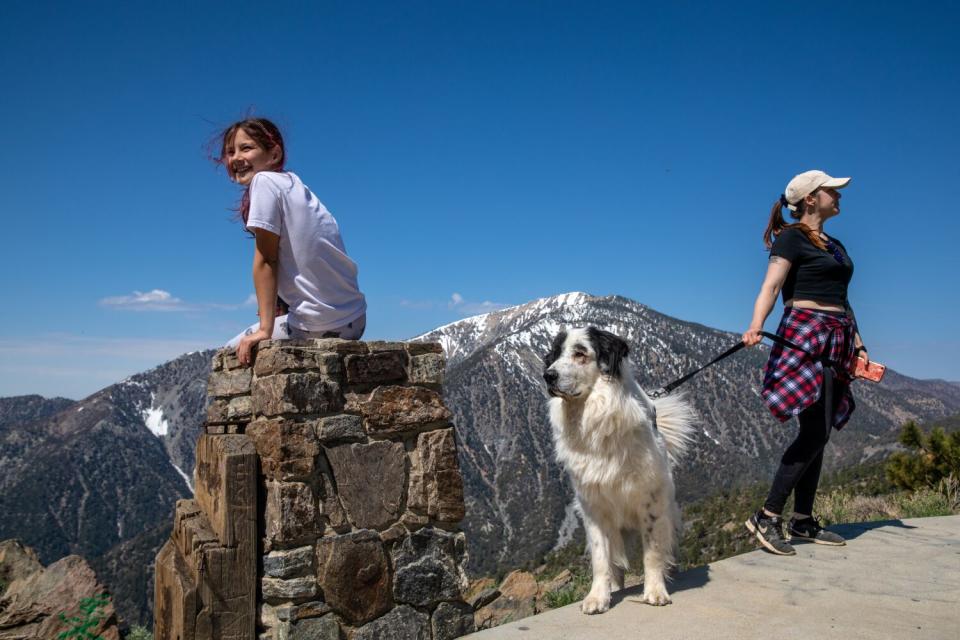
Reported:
(569, 593)
(562, 597)
(80, 626)
(139, 633)
(929, 459)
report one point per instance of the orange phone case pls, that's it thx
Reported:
(872, 371)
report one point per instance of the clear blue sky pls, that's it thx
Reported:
(475, 154)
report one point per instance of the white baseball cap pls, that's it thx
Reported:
(806, 183)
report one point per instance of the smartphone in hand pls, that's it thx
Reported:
(872, 371)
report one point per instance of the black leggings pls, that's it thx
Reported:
(800, 465)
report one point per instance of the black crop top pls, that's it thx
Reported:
(814, 274)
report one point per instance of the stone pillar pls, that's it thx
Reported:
(359, 498)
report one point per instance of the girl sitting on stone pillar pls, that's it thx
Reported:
(298, 254)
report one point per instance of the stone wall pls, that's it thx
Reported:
(327, 501)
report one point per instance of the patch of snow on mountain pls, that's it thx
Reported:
(551, 327)
(186, 478)
(707, 433)
(155, 421)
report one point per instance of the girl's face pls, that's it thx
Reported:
(245, 158)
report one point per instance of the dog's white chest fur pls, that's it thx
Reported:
(613, 457)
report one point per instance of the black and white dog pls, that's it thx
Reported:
(618, 445)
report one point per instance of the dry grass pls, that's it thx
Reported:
(839, 505)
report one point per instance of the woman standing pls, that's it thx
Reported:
(298, 254)
(813, 270)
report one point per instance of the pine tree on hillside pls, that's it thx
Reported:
(929, 460)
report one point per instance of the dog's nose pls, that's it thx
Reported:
(551, 376)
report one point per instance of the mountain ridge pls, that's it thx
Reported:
(135, 439)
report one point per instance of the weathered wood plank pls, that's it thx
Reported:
(226, 486)
(174, 597)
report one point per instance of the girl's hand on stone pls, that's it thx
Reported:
(247, 343)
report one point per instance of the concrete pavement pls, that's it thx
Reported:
(894, 579)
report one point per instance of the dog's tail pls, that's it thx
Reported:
(675, 420)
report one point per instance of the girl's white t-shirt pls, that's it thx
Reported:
(315, 277)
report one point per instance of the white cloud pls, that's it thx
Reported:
(155, 300)
(160, 300)
(467, 308)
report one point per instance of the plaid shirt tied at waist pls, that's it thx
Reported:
(793, 380)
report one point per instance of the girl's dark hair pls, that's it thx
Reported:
(777, 224)
(264, 133)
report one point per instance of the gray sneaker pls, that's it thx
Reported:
(769, 531)
(810, 529)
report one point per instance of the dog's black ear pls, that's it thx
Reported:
(610, 349)
(555, 350)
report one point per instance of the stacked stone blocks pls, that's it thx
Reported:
(360, 491)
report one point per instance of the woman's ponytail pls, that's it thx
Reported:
(777, 224)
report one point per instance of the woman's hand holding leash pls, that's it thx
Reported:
(752, 336)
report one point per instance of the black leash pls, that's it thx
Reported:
(828, 365)
(667, 389)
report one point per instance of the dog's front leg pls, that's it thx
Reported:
(600, 543)
(658, 544)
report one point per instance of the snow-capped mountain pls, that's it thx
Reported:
(519, 503)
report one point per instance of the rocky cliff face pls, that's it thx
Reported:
(32, 596)
(519, 505)
(100, 477)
